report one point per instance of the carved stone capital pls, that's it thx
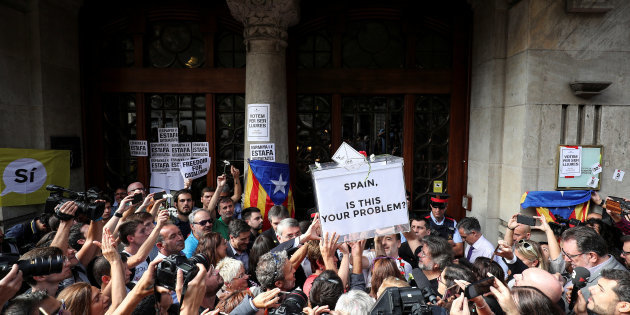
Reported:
(265, 19)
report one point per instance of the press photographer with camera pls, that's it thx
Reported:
(26, 235)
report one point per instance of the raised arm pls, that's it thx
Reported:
(88, 250)
(66, 215)
(344, 267)
(212, 205)
(117, 283)
(554, 247)
(112, 224)
(145, 204)
(238, 189)
(146, 247)
(509, 231)
(327, 247)
(143, 288)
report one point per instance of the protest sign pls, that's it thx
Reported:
(362, 203)
(263, 151)
(200, 149)
(160, 165)
(160, 150)
(258, 122)
(168, 135)
(166, 181)
(195, 168)
(181, 150)
(138, 148)
(570, 161)
(175, 163)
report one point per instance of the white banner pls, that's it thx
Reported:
(138, 148)
(362, 203)
(200, 149)
(168, 135)
(160, 150)
(263, 151)
(166, 181)
(195, 168)
(258, 122)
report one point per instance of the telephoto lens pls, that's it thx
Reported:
(40, 266)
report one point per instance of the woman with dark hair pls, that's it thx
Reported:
(213, 246)
(262, 245)
(382, 268)
(326, 290)
(446, 281)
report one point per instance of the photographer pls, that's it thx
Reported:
(10, 284)
(47, 283)
(37, 302)
(27, 234)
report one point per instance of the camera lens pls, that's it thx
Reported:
(41, 266)
(199, 259)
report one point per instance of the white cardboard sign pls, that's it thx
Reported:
(195, 168)
(263, 151)
(258, 122)
(200, 149)
(160, 150)
(181, 150)
(349, 158)
(359, 205)
(570, 161)
(138, 148)
(618, 175)
(160, 165)
(168, 135)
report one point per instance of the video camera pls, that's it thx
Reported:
(406, 301)
(292, 304)
(86, 201)
(40, 266)
(563, 224)
(166, 273)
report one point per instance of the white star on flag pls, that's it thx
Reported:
(280, 185)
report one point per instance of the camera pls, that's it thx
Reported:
(406, 301)
(618, 205)
(166, 273)
(293, 303)
(563, 224)
(40, 266)
(86, 201)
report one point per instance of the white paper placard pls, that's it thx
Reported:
(263, 151)
(618, 175)
(168, 135)
(175, 163)
(570, 162)
(592, 182)
(162, 150)
(181, 150)
(200, 149)
(358, 205)
(138, 148)
(258, 122)
(167, 181)
(159, 165)
(195, 168)
(596, 168)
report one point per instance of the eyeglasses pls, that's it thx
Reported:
(241, 276)
(624, 253)
(570, 256)
(204, 222)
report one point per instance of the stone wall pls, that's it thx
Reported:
(39, 81)
(522, 107)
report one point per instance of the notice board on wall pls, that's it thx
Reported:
(579, 167)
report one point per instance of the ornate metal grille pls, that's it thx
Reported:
(230, 50)
(119, 119)
(373, 44)
(431, 135)
(186, 112)
(315, 51)
(230, 129)
(313, 143)
(175, 44)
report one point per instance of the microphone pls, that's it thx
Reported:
(579, 277)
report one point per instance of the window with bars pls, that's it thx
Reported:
(184, 111)
(230, 129)
(119, 126)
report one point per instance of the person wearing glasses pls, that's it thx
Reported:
(582, 247)
(625, 250)
(239, 242)
(444, 225)
(201, 222)
(234, 276)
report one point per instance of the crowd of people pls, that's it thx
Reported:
(139, 258)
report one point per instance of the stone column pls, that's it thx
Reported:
(266, 23)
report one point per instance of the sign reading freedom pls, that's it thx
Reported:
(358, 205)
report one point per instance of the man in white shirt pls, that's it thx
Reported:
(476, 244)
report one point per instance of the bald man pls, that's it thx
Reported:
(542, 280)
(516, 231)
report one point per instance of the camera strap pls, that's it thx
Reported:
(63, 216)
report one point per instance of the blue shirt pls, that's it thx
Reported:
(190, 245)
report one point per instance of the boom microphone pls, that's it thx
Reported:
(579, 278)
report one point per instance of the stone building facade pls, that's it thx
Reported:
(511, 65)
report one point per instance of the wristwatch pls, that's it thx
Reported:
(118, 214)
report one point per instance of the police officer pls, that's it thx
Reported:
(444, 225)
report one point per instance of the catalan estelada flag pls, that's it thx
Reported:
(572, 204)
(268, 184)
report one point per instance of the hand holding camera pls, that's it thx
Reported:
(10, 284)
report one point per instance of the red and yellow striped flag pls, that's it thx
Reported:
(266, 176)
